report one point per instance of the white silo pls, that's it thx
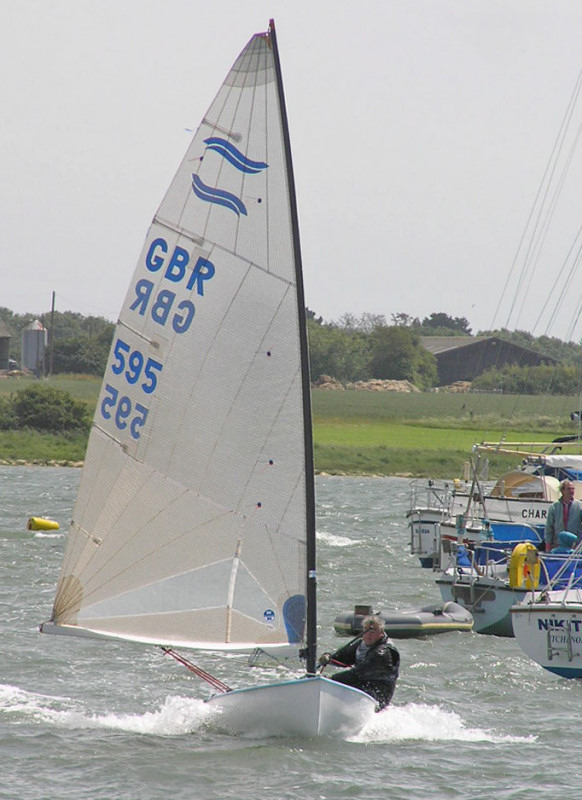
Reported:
(34, 342)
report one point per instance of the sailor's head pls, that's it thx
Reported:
(567, 490)
(567, 539)
(372, 629)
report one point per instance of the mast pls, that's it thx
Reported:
(311, 581)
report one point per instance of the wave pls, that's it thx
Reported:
(176, 716)
(334, 540)
(420, 722)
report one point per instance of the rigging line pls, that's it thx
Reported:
(565, 284)
(534, 249)
(216, 683)
(536, 235)
(519, 247)
(574, 323)
(551, 167)
(536, 254)
(561, 135)
(254, 657)
(568, 278)
(560, 279)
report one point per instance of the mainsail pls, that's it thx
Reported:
(194, 522)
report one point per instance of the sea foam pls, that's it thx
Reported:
(421, 722)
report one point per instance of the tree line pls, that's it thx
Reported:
(350, 349)
(355, 349)
(77, 344)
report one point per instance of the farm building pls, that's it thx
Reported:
(4, 345)
(463, 358)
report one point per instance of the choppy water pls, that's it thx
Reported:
(471, 716)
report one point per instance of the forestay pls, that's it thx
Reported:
(190, 524)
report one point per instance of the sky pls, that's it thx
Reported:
(421, 131)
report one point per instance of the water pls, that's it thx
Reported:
(471, 716)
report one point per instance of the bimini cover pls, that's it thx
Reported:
(522, 484)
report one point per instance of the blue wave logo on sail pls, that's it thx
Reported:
(238, 160)
(234, 156)
(219, 196)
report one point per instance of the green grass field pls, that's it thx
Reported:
(429, 434)
(361, 432)
(81, 387)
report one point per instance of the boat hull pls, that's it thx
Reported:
(489, 601)
(306, 707)
(424, 524)
(550, 633)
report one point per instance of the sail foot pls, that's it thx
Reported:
(68, 600)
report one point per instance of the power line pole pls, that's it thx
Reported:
(52, 336)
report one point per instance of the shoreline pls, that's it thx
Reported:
(41, 462)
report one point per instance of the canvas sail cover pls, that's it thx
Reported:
(190, 523)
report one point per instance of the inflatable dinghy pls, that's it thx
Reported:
(424, 621)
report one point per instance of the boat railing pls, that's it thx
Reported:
(474, 562)
(491, 559)
(561, 571)
(435, 495)
(516, 532)
(483, 559)
(448, 555)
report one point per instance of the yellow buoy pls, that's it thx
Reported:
(41, 524)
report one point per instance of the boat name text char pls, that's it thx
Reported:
(534, 513)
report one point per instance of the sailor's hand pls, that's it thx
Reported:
(324, 659)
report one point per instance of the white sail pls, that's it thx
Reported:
(190, 523)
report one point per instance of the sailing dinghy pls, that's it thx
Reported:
(194, 524)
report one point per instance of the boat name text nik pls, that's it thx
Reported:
(552, 623)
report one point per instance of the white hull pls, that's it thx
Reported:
(425, 535)
(514, 509)
(488, 599)
(430, 504)
(306, 707)
(550, 633)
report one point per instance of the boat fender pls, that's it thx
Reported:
(41, 524)
(524, 566)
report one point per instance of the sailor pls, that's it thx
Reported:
(563, 515)
(373, 662)
(566, 543)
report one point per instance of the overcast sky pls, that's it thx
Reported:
(420, 130)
